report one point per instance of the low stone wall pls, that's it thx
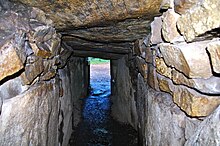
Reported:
(178, 82)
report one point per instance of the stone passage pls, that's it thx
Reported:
(97, 126)
(165, 68)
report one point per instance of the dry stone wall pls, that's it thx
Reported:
(178, 82)
(39, 102)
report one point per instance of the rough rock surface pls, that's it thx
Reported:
(208, 132)
(164, 84)
(155, 30)
(10, 62)
(75, 13)
(169, 29)
(193, 103)
(202, 18)
(123, 92)
(162, 117)
(206, 86)
(187, 71)
(38, 109)
(181, 6)
(214, 51)
(34, 82)
(71, 93)
(193, 65)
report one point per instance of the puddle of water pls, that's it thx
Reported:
(97, 127)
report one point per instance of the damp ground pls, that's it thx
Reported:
(97, 127)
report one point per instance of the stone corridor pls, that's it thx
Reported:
(165, 72)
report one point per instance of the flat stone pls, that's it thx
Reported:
(169, 29)
(10, 61)
(206, 86)
(214, 51)
(167, 4)
(142, 66)
(32, 71)
(150, 55)
(49, 75)
(141, 106)
(182, 6)
(30, 115)
(193, 65)
(87, 13)
(156, 26)
(162, 117)
(54, 46)
(200, 19)
(208, 132)
(43, 33)
(190, 101)
(139, 47)
(164, 84)
(40, 51)
(162, 68)
(152, 78)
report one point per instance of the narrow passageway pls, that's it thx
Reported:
(97, 127)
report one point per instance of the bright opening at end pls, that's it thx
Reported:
(100, 75)
(97, 127)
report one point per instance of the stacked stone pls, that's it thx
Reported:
(30, 50)
(182, 59)
(32, 64)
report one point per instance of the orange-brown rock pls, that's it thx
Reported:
(181, 6)
(10, 62)
(49, 75)
(142, 66)
(193, 65)
(190, 101)
(164, 85)
(206, 86)
(162, 68)
(214, 51)
(150, 55)
(152, 77)
(40, 51)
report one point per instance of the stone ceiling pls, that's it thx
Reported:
(96, 24)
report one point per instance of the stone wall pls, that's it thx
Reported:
(123, 92)
(178, 94)
(40, 83)
(74, 81)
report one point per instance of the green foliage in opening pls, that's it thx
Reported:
(97, 60)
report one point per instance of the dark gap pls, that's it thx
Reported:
(210, 59)
(17, 74)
